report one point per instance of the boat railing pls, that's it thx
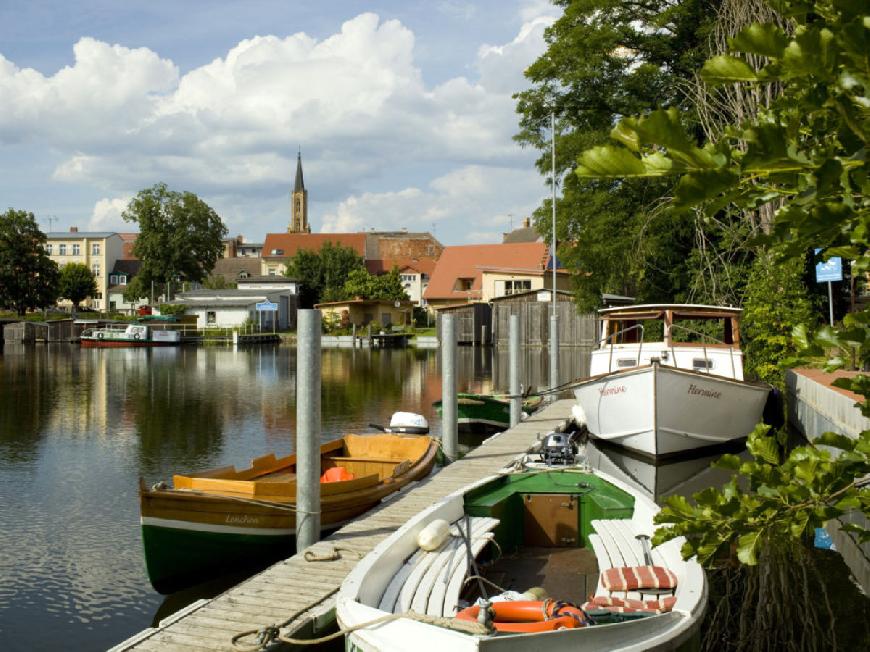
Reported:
(614, 336)
(691, 331)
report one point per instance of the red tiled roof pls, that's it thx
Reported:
(127, 242)
(469, 260)
(290, 243)
(382, 266)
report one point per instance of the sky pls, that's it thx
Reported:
(402, 111)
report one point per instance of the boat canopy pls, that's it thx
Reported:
(623, 325)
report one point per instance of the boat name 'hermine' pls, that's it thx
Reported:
(610, 391)
(242, 519)
(709, 393)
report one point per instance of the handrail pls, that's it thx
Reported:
(704, 347)
(620, 332)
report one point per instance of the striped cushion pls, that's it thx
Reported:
(621, 605)
(632, 578)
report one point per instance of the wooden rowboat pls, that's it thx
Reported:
(222, 517)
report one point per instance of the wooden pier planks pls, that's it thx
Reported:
(307, 589)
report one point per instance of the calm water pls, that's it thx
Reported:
(78, 427)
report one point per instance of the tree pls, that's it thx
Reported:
(386, 287)
(322, 274)
(76, 283)
(606, 59)
(180, 236)
(804, 158)
(28, 277)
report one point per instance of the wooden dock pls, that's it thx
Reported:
(304, 591)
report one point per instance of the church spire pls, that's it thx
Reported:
(300, 184)
(299, 202)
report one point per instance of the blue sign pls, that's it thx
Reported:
(829, 270)
(267, 306)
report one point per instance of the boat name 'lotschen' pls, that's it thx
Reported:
(242, 519)
(709, 393)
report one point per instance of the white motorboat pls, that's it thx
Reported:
(677, 389)
(420, 589)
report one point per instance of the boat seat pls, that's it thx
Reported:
(430, 582)
(615, 544)
(382, 460)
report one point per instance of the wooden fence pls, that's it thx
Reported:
(575, 329)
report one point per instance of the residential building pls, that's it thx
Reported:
(472, 273)
(98, 250)
(234, 270)
(119, 278)
(278, 247)
(271, 283)
(525, 233)
(238, 248)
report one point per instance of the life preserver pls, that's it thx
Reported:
(100, 336)
(529, 616)
(136, 336)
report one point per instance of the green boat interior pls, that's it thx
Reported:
(542, 538)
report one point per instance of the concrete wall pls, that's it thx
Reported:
(814, 408)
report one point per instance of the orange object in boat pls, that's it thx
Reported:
(529, 616)
(336, 474)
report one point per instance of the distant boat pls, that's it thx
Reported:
(487, 413)
(136, 335)
(223, 517)
(677, 389)
(423, 587)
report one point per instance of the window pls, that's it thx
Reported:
(464, 283)
(626, 362)
(76, 250)
(277, 252)
(273, 271)
(211, 317)
(61, 250)
(95, 249)
(513, 287)
(49, 249)
(113, 279)
(95, 268)
(407, 277)
(98, 295)
(699, 364)
(122, 279)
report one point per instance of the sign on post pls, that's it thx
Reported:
(829, 271)
(267, 306)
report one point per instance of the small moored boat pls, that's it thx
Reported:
(486, 413)
(223, 516)
(549, 560)
(662, 383)
(131, 335)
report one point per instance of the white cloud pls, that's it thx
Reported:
(125, 118)
(106, 215)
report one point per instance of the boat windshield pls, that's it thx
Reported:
(672, 327)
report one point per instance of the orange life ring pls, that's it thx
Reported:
(529, 616)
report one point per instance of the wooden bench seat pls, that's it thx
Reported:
(430, 582)
(615, 544)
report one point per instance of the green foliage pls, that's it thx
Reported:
(606, 59)
(772, 497)
(776, 303)
(172, 309)
(180, 237)
(322, 274)
(386, 287)
(76, 283)
(217, 282)
(28, 277)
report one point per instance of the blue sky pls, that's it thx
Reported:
(402, 110)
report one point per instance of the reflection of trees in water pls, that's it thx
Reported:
(27, 396)
(178, 413)
(352, 380)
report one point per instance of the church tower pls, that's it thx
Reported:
(299, 202)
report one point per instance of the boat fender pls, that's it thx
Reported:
(579, 415)
(136, 336)
(433, 535)
(536, 593)
(99, 336)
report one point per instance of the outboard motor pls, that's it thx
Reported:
(557, 449)
(408, 423)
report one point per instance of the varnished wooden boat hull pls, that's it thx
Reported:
(219, 522)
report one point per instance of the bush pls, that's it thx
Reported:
(172, 309)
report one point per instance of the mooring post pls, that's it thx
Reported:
(449, 431)
(514, 365)
(554, 353)
(307, 429)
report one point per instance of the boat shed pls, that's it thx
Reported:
(473, 322)
(533, 307)
(233, 308)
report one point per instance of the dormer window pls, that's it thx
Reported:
(464, 284)
(277, 252)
